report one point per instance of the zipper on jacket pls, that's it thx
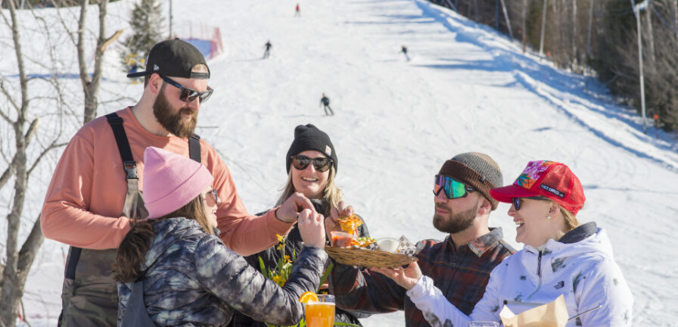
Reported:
(538, 274)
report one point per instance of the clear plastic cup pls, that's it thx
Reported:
(388, 244)
(341, 239)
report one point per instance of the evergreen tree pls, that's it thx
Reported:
(147, 24)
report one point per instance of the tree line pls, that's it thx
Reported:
(597, 37)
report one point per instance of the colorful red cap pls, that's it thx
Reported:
(549, 179)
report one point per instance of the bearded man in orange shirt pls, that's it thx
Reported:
(94, 195)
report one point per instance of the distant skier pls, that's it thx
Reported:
(268, 47)
(325, 102)
(404, 50)
(134, 64)
(297, 11)
(133, 69)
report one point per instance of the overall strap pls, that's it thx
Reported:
(135, 313)
(133, 203)
(128, 162)
(194, 147)
(72, 263)
(130, 167)
(133, 206)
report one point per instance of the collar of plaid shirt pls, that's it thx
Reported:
(483, 243)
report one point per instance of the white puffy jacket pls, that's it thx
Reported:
(580, 266)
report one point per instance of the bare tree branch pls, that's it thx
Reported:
(30, 248)
(80, 45)
(19, 54)
(91, 86)
(109, 40)
(6, 175)
(18, 261)
(63, 21)
(9, 97)
(10, 169)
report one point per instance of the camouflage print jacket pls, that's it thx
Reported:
(195, 280)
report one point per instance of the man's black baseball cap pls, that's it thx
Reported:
(174, 58)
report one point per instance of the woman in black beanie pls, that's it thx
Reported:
(311, 164)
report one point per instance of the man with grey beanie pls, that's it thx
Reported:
(460, 265)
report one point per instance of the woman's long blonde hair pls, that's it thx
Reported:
(132, 251)
(331, 194)
(571, 221)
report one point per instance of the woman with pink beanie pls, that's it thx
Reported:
(172, 269)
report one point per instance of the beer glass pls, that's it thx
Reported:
(321, 313)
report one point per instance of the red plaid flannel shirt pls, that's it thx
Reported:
(461, 274)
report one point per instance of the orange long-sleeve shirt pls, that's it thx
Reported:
(85, 198)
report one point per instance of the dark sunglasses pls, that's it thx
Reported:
(453, 188)
(188, 95)
(300, 162)
(215, 195)
(518, 202)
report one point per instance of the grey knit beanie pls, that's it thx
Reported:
(477, 170)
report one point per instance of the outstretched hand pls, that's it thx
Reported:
(342, 210)
(290, 209)
(311, 228)
(405, 277)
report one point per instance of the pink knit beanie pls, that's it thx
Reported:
(171, 181)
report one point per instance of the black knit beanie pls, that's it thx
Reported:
(477, 170)
(309, 137)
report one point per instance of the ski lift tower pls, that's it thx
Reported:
(636, 11)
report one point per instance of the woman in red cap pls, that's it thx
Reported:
(560, 257)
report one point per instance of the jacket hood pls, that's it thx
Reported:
(583, 239)
(579, 233)
(555, 260)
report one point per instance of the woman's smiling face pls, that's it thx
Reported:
(533, 225)
(310, 181)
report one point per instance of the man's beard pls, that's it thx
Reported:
(174, 123)
(455, 222)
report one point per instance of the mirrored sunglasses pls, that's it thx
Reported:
(188, 95)
(453, 188)
(300, 162)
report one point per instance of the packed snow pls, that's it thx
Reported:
(466, 88)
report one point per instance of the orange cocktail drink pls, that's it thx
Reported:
(320, 314)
